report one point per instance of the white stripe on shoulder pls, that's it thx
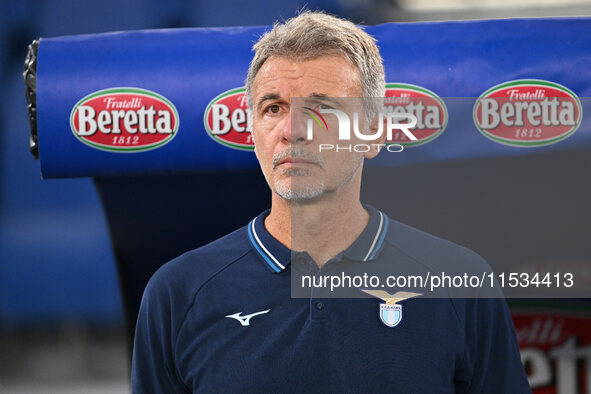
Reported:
(263, 246)
(373, 245)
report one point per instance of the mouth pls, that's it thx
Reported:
(293, 158)
(295, 162)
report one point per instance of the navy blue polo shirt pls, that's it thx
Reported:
(221, 319)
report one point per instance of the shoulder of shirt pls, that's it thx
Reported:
(433, 252)
(182, 277)
(439, 255)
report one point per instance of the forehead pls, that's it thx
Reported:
(332, 75)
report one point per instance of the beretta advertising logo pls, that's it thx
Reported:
(555, 347)
(426, 106)
(124, 120)
(528, 113)
(227, 120)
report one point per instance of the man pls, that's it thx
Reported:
(221, 318)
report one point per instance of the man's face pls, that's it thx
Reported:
(293, 166)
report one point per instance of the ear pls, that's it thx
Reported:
(256, 153)
(378, 144)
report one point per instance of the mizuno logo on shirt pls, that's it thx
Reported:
(245, 320)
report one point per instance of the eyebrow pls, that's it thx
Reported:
(275, 96)
(267, 97)
(326, 97)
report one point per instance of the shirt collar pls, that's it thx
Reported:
(369, 243)
(277, 256)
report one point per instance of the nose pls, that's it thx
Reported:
(294, 130)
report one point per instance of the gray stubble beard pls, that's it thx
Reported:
(302, 191)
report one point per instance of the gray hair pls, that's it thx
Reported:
(313, 34)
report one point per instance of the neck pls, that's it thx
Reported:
(322, 228)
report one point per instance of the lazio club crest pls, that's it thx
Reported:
(390, 312)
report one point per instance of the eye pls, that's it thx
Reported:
(324, 106)
(273, 109)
